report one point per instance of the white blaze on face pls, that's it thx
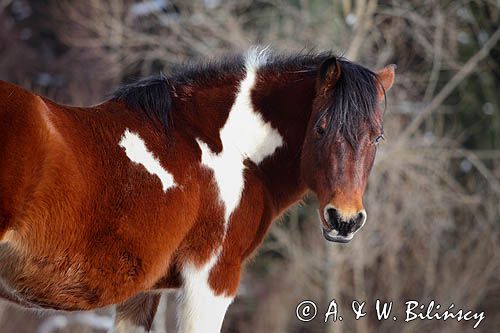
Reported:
(137, 152)
(244, 135)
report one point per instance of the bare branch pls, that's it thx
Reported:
(469, 67)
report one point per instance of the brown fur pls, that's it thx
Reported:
(82, 227)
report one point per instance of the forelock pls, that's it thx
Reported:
(351, 102)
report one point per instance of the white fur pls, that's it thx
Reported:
(200, 310)
(137, 152)
(244, 135)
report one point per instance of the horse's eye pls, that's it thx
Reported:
(320, 130)
(379, 139)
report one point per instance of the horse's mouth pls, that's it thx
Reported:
(334, 236)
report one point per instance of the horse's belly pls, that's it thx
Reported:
(65, 282)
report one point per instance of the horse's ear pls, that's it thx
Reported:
(385, 79)
(329, 73)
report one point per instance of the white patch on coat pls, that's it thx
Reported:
(244, 135)
(137, 152)
(200, 309)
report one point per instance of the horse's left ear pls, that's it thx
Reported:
(329, 73)
(386, 79)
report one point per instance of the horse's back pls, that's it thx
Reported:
(17, 107)
(12, 95)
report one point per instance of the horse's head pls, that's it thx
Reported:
(340, 142)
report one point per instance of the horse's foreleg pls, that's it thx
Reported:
(136, 314)
(206, 294)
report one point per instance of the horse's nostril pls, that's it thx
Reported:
(360, 217)
(333, 218)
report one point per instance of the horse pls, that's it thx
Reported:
(174, 180)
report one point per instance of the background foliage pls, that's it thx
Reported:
(433, 196)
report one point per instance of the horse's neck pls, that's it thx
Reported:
(286, 103)
(263, 121)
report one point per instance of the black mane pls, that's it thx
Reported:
(149, 95)
(354, 96)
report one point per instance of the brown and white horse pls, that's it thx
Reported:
(174, 181)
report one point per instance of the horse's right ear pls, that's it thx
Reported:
(385, 80)
(329, 73)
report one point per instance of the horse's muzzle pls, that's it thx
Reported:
(341, 229)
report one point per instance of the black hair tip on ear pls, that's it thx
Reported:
(329, 69)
